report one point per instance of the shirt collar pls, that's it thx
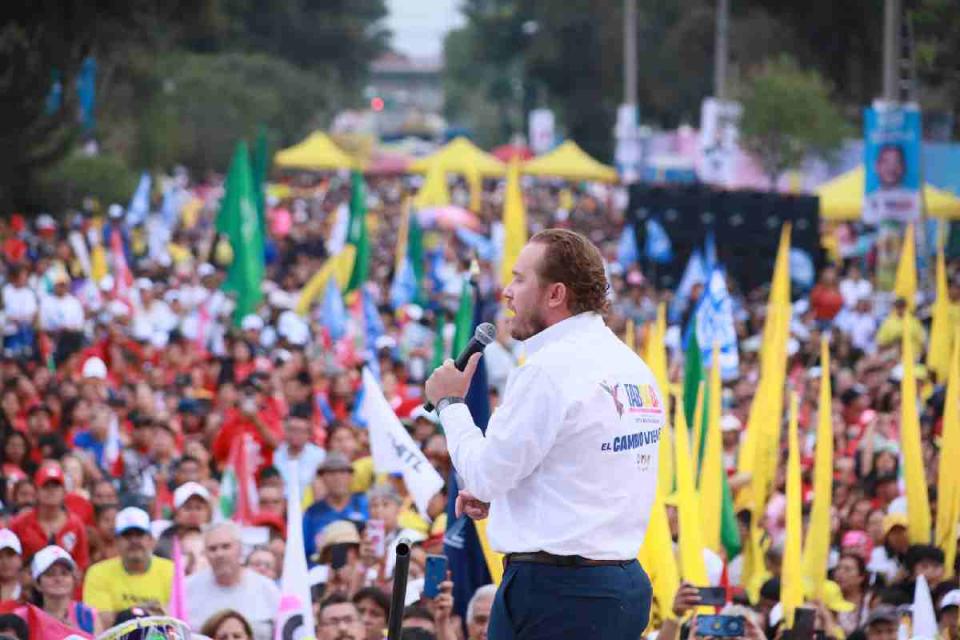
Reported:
(588, 320)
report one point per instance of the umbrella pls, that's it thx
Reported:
(448, 217)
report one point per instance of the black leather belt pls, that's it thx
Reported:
(542, 557)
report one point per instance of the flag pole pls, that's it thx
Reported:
(400, 572)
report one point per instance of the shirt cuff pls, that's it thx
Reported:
(456, 420)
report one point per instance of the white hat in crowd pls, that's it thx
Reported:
(130, 519)
(9, 540)
(187, 490)
(47, 557)
(95, 368)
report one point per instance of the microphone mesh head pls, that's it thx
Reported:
(485, 333)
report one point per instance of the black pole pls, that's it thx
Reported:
(400, 571)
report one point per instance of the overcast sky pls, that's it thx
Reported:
(418, 26)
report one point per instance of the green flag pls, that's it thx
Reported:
(261, 167)
(415, 255)
(357, 232)
(464, 318)
(692, 377)
(439, 345)
(237, 219)
(729, 531)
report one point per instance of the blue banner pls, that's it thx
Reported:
(714, 318)
(891, 160)
(658, 246)
(627, 251)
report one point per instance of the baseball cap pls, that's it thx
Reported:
(883, 613)
(385, 492)
(730, 422)
(132, 518)
(94, 368)
(47, 557)
(421, 412)
(251, 322)
(186, 491)
(49, 473)
(335, 461)
(950, 599)
(892, 520)
(9, 540)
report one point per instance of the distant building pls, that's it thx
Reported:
(407, 95)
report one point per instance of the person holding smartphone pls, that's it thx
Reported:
(254, 413)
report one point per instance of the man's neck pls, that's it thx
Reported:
(229, 580)
(294, 452)
(135, 568)
(338, 502)
(48, 514)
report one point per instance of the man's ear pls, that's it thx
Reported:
(557, 295)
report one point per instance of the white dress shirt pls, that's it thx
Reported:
(569, 461)
(61, 313)
(19, 306)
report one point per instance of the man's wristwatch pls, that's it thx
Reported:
(443, 403)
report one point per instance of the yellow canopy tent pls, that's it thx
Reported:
(317, 153)
(571, 162)
(842, 198)
(461, 156)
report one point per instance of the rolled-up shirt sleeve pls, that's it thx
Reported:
(520, 433)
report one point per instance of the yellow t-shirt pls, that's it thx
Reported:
(108, 587)
(363, 475)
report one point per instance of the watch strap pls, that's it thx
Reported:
(445, 402)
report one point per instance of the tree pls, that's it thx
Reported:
(788, 114)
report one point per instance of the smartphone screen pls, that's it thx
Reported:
(804, 621)
(434, 574)
(712, 596)
(376, 534)
(338, 556)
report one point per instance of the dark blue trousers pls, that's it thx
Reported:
(545, 602)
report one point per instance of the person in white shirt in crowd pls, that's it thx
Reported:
(860, 324)
(19, 313)
(567, 468)
(227, 584)
(11, 563)
(154, 314)
(501, 357)
(854, 287)
(62, 316)
(297, 449)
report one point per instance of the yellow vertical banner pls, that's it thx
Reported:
(919, 526)
(817, 547)
(791, 578)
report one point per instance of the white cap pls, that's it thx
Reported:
(131, 518)
(115, 211)
(187, 490)
(206, 269)
(9, 540)
(251, 322)
(414, 312)
(45, 221)
(385, 342)
(118, 310)
(94, 368)
(730, 422)
(144, 283)
(47, 557)
(279, 299)
(420, 412)
(950, 599)
(106, 283)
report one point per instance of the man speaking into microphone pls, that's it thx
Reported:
(567, 470)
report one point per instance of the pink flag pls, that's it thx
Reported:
(42, 625)
(178, 592)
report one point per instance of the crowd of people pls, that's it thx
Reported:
(119, 406)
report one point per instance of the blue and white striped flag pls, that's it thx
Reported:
(714, 318)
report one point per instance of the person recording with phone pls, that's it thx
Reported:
(255, 413)
(567, 467)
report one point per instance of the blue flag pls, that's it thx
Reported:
(693, 273)
(628, 252)
(373, 329)
(658, 246)
(710, 250)
(87, 93)
(478, 242)
(714, 322)
(334, 313)
(140, 202)
(403, 289)
(461, 543)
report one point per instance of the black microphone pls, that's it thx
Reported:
(484, 335)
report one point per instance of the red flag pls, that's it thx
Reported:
(162, 502)
(238, 494)
(42, 625)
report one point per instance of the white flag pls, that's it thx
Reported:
(924, 619)
(393, 449)
(295, 618)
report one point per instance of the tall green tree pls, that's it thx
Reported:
(788, 114)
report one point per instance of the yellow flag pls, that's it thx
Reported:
(630, 335)
(711, 471)
(941, 333)
(656, 555)
(475, 182)
(818, 531)
(948, 480)
(692, 566)
(791, 579)
(493, 558)
(905, 284)
(655, 355)
(433, 192)
(918, 505)
(339, 267)
(514, 223)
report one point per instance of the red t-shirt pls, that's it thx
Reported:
(235, 424)
(80, 507)
(72, 536)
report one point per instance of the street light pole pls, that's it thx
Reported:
(630, 52)
(891, 48)
(721, 48)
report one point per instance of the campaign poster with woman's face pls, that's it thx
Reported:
(892, 163)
